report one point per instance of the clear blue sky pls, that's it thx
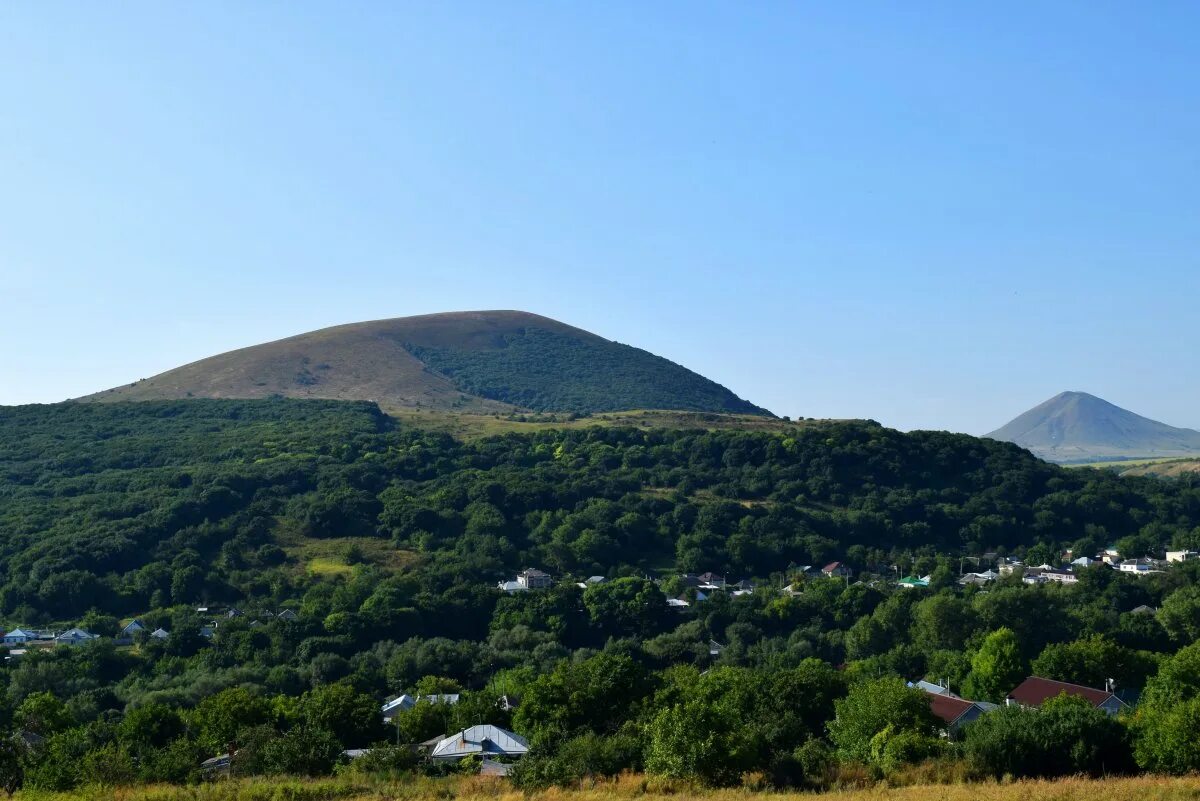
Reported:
(931, 214)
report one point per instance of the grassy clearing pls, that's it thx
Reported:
(471, 426)
(1173, 466)
(327, 557)
(1146, 788)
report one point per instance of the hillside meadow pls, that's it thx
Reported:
(1144, 788)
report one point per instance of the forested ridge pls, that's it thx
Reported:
(387, 542)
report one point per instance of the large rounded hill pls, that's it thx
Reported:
(485, 361)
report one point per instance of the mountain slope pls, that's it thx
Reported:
(1078, 427)
(487, 361)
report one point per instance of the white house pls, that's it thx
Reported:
(533, 579)
(19, 636)
(75, 636)
(484, 740)
(1182, 556)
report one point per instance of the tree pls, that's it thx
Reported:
(43, 714)
(1092, 661)
(626, 606)
(996, 668)
(12, 768)
(218, 718)
(942, 623)
(1167, 721)
(876, 705)
(352, 717)
(711, 731)
(597, 694)
(1180, 614)
(153, 725)
(1065, 736)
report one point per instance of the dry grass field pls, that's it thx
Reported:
(630, 788)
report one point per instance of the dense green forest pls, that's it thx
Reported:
(550, 371)
(387, 542)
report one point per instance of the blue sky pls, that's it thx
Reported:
(932, 214)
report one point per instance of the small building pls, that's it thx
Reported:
(402, 702)
(485, 740)
(1140, 567)
(511, 586)
(712, 580)
(217, 766)
(836, 570)
(133, 627)
(591, 581)
(678, 603)
(1035, 691)
(208, 632)
(957, 712)
(287, 615)
(533, 579)
(913, 582)
(19, 636)
(1182, 556)
(1084, 562)
(715, 648)
(160, 634)
(75, 636)
(1143, 610)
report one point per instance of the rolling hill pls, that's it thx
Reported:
(1075, 427)
(481, 362)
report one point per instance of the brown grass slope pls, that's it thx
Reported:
(359, 361)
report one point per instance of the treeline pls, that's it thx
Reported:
(127, 507)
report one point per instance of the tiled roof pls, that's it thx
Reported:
(1035, 691)
(947, 708)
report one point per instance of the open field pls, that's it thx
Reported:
(1173, 466)
(469, 426)
(628, 787)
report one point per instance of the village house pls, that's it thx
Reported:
(836, 570)
(534, 579)
(528, 579)
(404, 702)
(711, 581)
(287, 615)
(913, 582)
(1141, 567)
(591, 581)
(1182, 556)
(19, 636)
(132, 627)
(1035, 691)
(1041, 575)
(75, 636)
(160, 634)
(956, 712)
(483, 740)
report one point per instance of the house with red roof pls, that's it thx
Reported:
(954, 711)
(836, 570)
(1035, 691)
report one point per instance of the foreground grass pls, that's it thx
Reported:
(1143, 788)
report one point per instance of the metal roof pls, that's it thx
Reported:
(484, 739)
